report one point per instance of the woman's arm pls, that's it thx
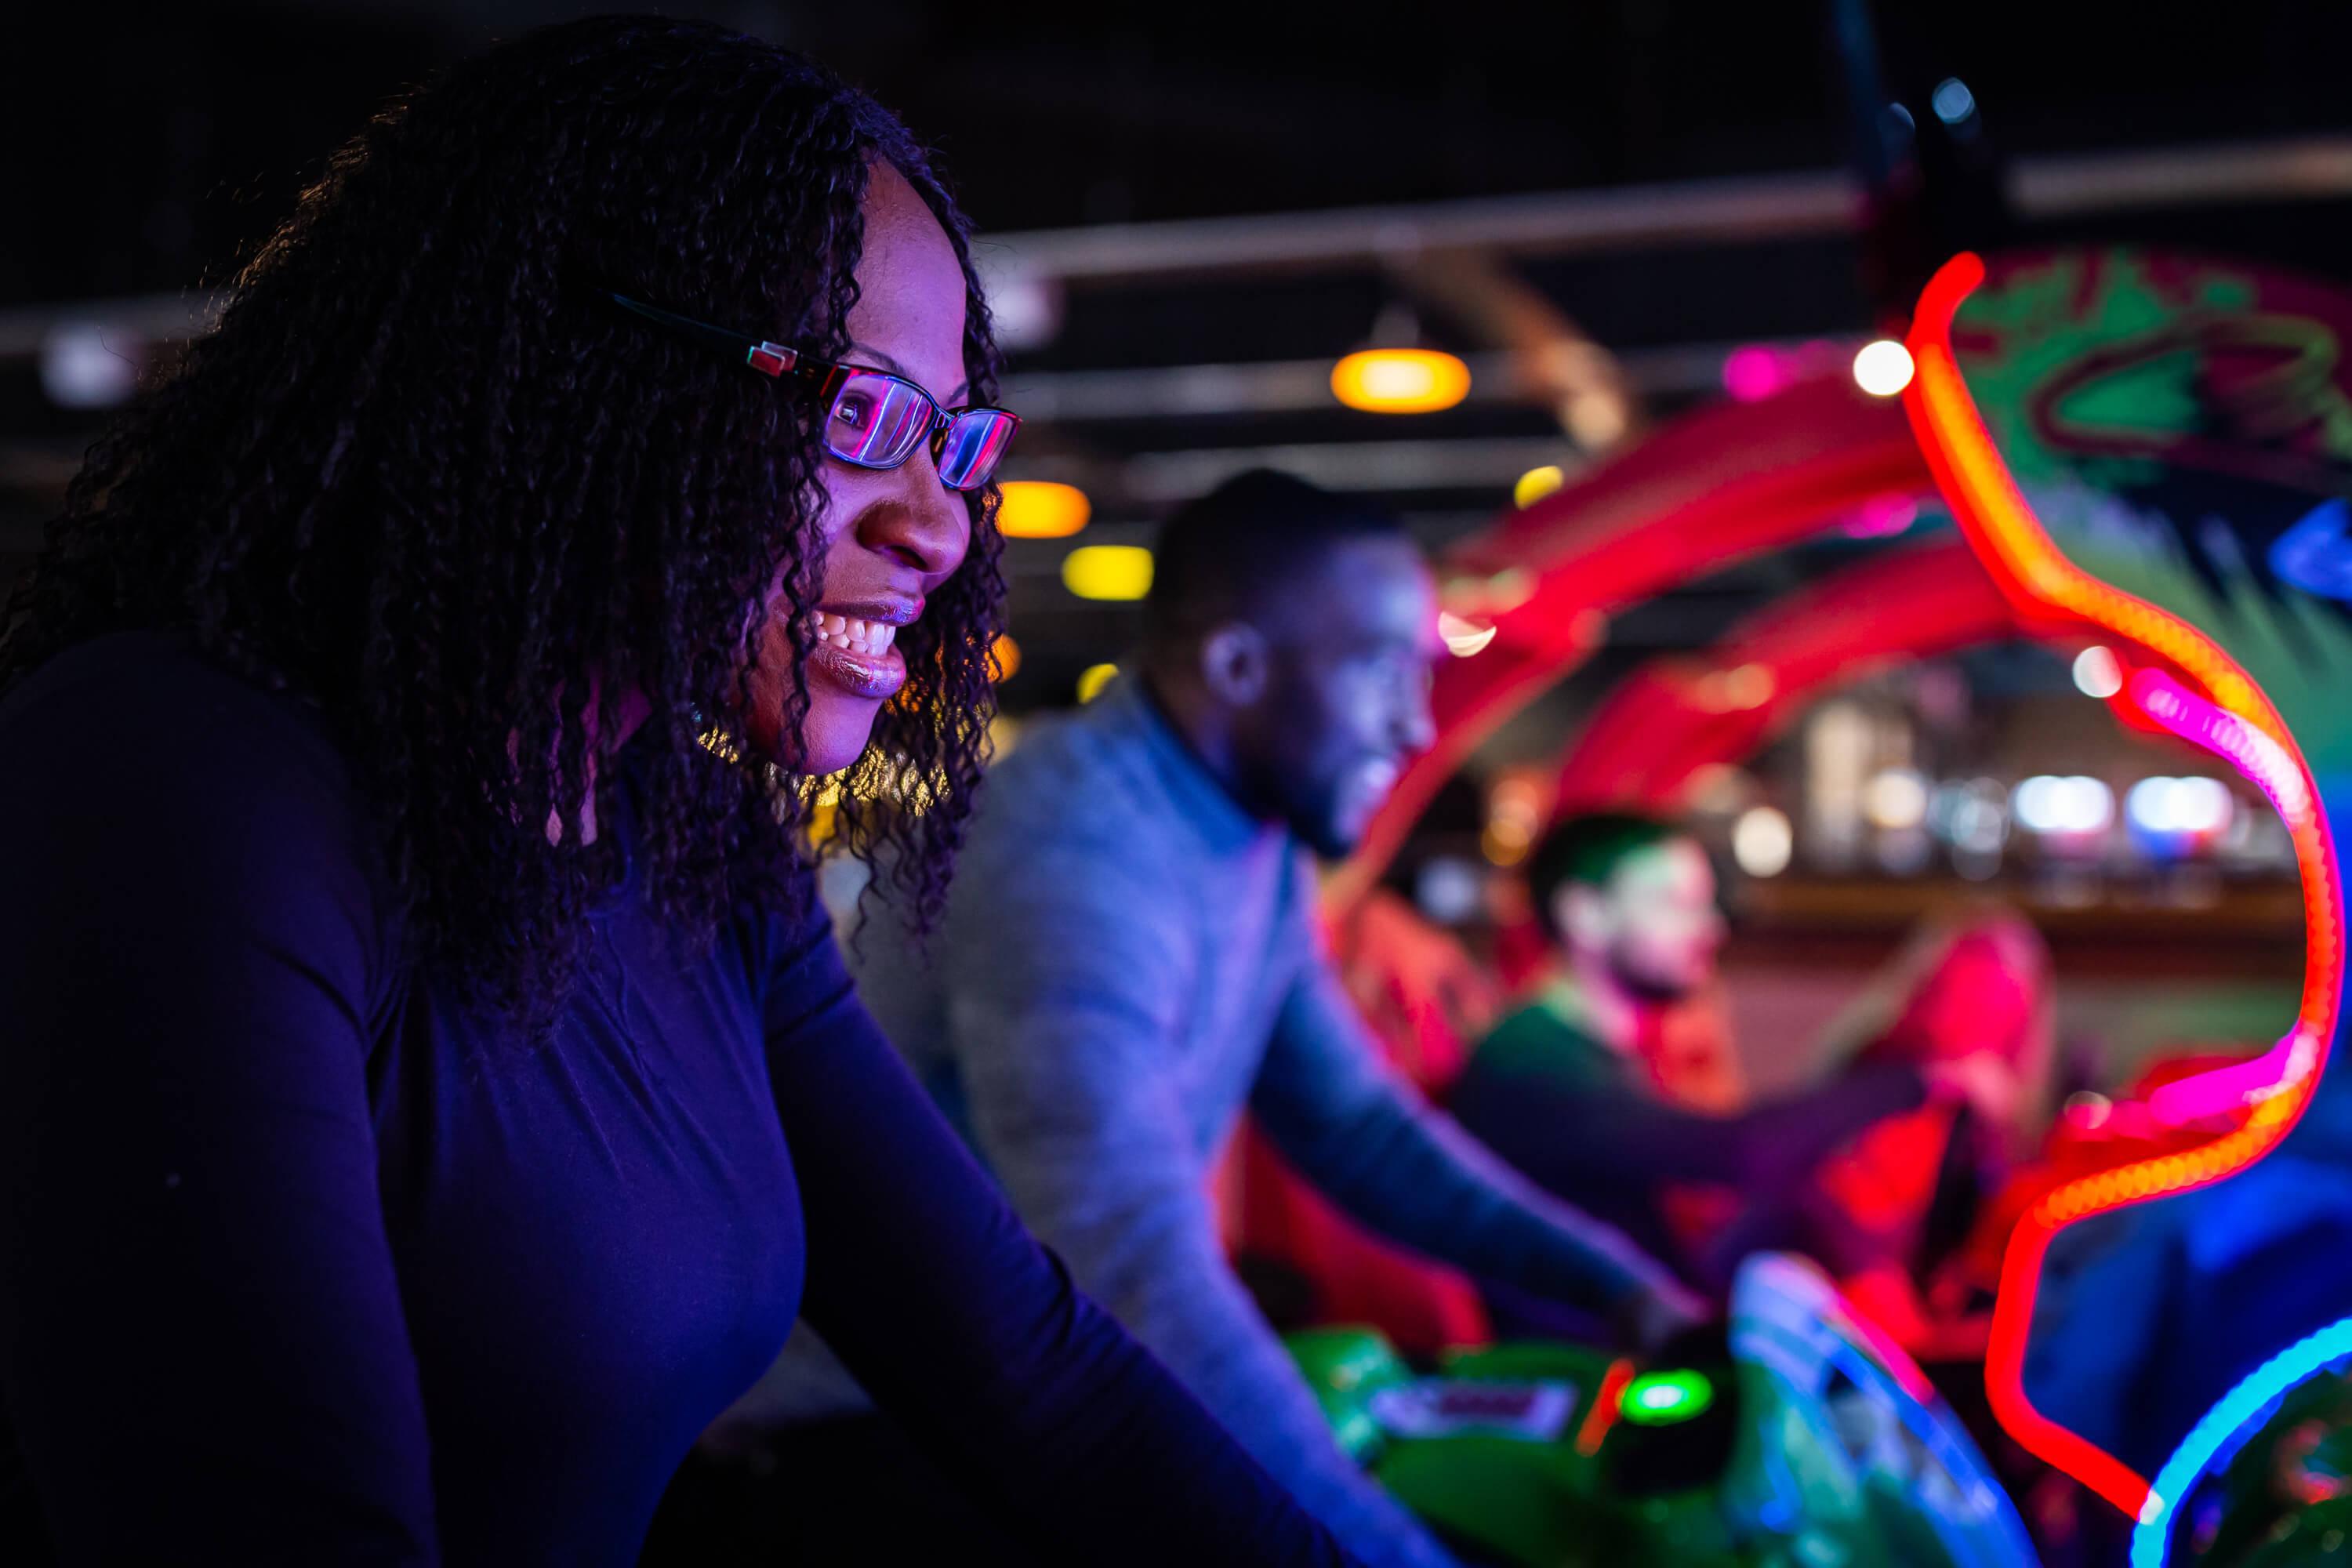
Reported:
(201, 1339)
(972, 1335)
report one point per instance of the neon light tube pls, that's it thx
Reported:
(2251, 1400)
(2230, 716)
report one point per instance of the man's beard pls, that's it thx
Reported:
(1273, 793)
(1650, 990)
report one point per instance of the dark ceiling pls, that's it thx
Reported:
(149, 148)
(146, 144)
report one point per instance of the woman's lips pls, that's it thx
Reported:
(876, 677)
(852, 645)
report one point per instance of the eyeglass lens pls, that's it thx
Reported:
(976, 439)
(877, 421)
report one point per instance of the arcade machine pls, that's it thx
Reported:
(2143, 449)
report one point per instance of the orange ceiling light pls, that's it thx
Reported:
(1401, 381)
(1039, 508)
(2230, 717)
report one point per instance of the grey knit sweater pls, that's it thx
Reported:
(1127, 960)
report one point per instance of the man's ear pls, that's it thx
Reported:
(1580, 914)
(1234, 664)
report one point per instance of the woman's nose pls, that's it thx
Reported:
(929, 528)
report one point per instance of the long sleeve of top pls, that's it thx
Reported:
(1368, 1142)
(203, 1350)
(301, 1261)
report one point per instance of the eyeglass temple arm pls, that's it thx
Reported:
(768, 359)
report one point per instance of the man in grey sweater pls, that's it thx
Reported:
(1130, 958)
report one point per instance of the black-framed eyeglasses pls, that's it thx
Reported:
(873, 419)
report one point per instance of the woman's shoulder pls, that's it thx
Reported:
(138, 740)
(131, 693)
(109, 685)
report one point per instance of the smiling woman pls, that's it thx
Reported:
(413, 978)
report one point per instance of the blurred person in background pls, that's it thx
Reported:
(430, 1088)
(1570, 1087)
(1129, 960)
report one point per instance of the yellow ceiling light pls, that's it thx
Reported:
(1093, 679)
(1107, 572)
(1401, 381)
(1535, 484)
(1003, 658)
(1039, 508)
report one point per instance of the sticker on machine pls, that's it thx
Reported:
(1440, 1408)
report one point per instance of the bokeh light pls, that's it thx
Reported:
(1039, 508)
(1464, 638)
(2098, 672)
(1896, 799)
(1537, 483)
(1883, 368)
(1763, 842)
(1401, 381)
(1093, 679)
(1107, 572)
(1952, 101)
(2074, 804)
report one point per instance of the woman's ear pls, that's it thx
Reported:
(1234, 664)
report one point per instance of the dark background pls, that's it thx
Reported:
(148, 149)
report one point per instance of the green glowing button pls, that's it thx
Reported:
(1662, 1398)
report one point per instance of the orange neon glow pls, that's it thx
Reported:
(2001, 527)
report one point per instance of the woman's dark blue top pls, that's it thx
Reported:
(302, 1262)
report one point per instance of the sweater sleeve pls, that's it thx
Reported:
(1570, 1138)
(971, 1334)
(1369, 1142)
(200, 1337)
(1064, 1024)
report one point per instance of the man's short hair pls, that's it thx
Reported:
(1587, 849)
(1235, 550)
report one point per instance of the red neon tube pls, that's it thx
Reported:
(2231, 718)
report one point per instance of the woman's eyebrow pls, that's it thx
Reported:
(885, 361)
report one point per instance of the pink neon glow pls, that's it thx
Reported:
(1754, 371)
(1753, 374)
(2244, 747)
(1906, 1373)
(2266, 764)
(1885, 516)
(2229, 1088)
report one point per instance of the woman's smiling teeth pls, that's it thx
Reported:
(853, 635)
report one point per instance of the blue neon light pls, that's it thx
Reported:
(2314, 554)
(2237, 1412)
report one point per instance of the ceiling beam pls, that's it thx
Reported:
(1651, 217)
(1297, 386)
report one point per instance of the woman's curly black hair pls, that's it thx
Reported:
(423, 477)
